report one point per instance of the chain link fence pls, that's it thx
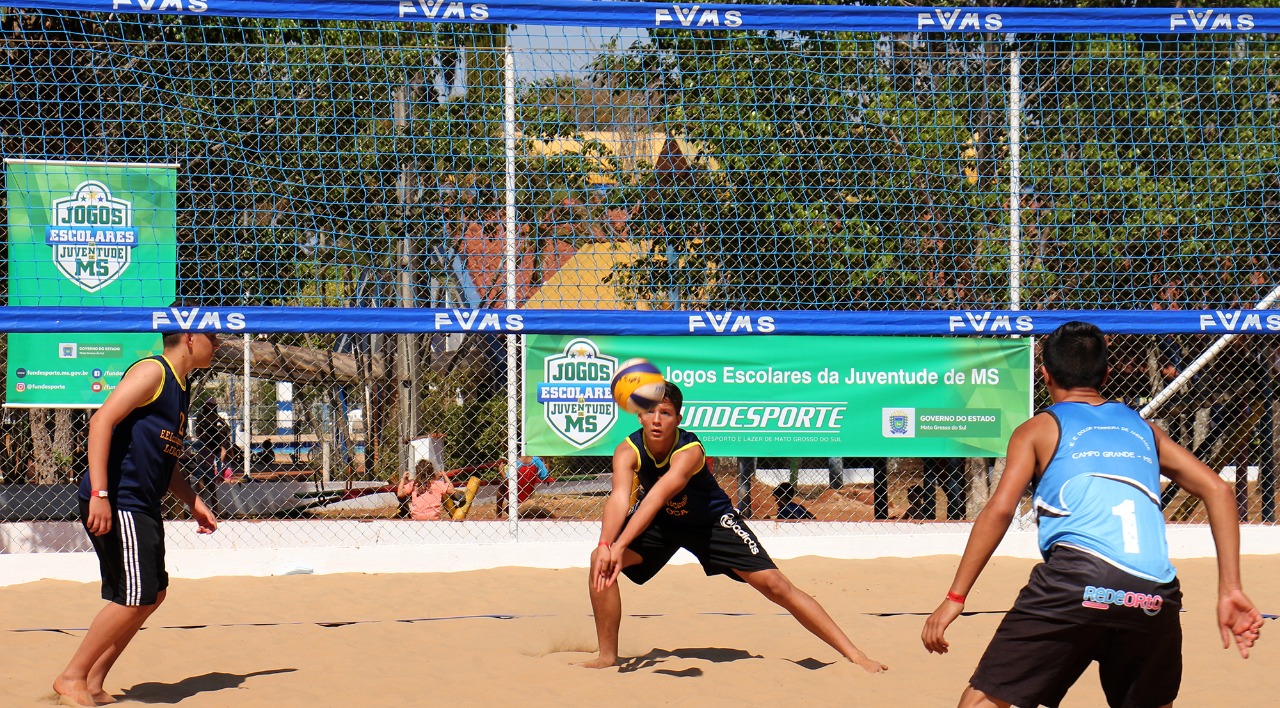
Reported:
(365, 164)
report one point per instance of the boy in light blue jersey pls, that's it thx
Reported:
(1106, 591)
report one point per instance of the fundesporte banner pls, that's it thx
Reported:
(788, 396)
(86, 234)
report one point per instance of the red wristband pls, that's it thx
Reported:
(958, 599)
(606, 544)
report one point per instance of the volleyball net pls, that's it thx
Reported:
(426, 230)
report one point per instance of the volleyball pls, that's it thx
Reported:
(638, 385)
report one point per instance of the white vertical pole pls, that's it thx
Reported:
(513, 344)
(1201, 361)
(326, 460)
(284, 408)
(1015, 181)
(245, 408)
(406, 376)
(1015, 216)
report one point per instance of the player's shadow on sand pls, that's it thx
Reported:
(659, 656)
(811, 663)
(155, 692)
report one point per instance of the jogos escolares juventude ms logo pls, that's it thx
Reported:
(574, 393)
(92, 236)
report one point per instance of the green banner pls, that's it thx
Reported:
(788, 396)
(86, 234)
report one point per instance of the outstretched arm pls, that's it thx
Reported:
(178, 485)
(604, 565)
(684, 464)
(1237, 617)
(989, 528)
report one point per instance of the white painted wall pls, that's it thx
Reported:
(276, 547)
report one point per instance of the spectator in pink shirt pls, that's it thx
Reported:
(426, 491)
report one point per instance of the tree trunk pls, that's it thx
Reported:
(283, 362)
(45, 470)
(63, 444)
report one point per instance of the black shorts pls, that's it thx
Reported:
(130, 557)
(1075, 610)
(721, 549)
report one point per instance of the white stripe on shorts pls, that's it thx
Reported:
(129, 559)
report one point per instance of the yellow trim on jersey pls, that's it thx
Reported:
(633, 447)
(697, 443)
(160, 388)
(181, 382)
(671, 454)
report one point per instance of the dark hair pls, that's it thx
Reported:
(784, 492)
(675, 395)
(422, 474)
(171, 339)
(1075, 355)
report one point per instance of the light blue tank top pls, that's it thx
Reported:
(1100, 493)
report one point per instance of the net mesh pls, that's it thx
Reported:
(345, 163)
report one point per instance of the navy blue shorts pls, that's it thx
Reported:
(721, 549)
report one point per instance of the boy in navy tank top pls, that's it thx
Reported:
(1106, 591)
(684, 507)
(135, 441)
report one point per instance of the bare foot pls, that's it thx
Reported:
(102, 697)
(599, 663)
(72, 692)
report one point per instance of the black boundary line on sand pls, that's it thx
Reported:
(345, 623)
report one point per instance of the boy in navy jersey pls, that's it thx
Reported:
(135, 440)
(1106, 591)
(684, 507)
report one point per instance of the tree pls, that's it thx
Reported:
(839, 184)
(873, 171)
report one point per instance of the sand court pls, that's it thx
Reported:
(511, 635)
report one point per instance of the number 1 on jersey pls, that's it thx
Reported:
(1128, 524)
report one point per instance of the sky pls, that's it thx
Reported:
(541, 52)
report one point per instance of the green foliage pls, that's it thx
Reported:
(873, 172)
(473, 427)
(837, 185)
(1157, 167)
(812, 170)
